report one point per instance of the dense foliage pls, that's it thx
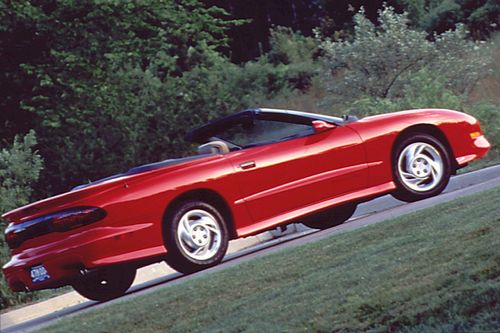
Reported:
(108, 85)
(20, 166)
(96, 67)
(380, 60)
(480, 16)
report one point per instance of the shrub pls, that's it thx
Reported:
(298, 52)
(20, 167)
(421, 91)
(489, 116)
(381, 60)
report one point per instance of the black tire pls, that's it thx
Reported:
(331, 218)
(196, 237)
(423, 175)
(105, 284)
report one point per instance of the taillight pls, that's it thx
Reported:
(61, 221)
(72, 219)
(14, 238)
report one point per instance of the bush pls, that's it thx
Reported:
(63, 60)
(381, 60)
(20, 167)
(298, 52)
(489, 116)
(135, 117)
(421, 91)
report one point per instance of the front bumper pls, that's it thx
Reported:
(479, 147)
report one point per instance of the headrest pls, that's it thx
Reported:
(214, 147)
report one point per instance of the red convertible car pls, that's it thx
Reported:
(255, 170)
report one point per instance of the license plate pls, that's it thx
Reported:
(39, 274)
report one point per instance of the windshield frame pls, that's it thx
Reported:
(203, 133)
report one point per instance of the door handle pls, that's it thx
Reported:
(247, 165)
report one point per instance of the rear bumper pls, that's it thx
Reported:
(61, 270)
(93, 248)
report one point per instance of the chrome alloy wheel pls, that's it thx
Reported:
(420, 166)
(199, 234)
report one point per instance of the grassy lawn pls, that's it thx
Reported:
(436, 270)
(489, 160)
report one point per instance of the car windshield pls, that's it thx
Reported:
(253, 132)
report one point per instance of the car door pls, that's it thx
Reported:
(269, 178)
(304, 167)
(270, 166)
(336, 162)
(277, 180)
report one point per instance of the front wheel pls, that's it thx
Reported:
(196, 237)
(421, 167)
(331, 218)
(105, 284)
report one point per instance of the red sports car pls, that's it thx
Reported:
(255, 170)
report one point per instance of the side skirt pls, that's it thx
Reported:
(316, 207)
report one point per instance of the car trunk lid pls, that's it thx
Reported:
(58, 202)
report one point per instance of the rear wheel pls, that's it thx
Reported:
(196, 237)
(421, 167)
(105, 284)
(332, 217)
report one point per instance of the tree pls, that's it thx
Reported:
(64, 59)
(481, 17)
(381, 59)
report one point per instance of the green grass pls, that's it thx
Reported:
(436, 270)
(485, 162)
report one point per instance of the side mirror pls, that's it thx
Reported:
(321, 126)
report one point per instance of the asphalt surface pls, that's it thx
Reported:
(368, 213)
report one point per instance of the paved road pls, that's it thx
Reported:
(368, 213)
